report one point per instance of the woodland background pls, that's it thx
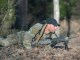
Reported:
(17, 15)
(20, 15)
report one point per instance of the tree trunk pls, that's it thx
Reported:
(56, 13)
(22, 13)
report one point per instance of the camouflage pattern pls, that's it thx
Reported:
(12, 39)
(30, 34)
(24, 37)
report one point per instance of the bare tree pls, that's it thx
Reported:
(56, 12)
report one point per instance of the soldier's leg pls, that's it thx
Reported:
(10, 40)
(13, 39)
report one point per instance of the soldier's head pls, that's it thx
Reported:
(52, 25)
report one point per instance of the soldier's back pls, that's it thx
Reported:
(30, 34)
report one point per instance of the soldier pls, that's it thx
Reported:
(27, 38)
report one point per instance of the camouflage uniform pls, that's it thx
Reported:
(24, 37)
(31, 33)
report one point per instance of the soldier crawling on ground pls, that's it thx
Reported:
(36, 35)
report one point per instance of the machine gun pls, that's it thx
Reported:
(63, 39)
(57, 40)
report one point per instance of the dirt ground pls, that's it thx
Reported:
(15, 52)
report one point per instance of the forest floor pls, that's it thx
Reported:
(15, 52)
